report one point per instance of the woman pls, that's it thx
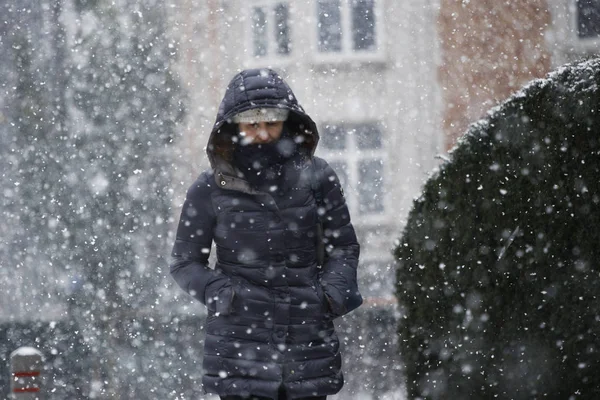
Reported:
(267, 203)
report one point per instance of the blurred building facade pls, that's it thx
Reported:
(490, 49)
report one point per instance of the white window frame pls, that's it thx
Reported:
(347, 53)
(352, 155)
(583, 45)
(272, 57)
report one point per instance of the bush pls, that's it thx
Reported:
(498, 270)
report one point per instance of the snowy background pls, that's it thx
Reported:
(105, 108)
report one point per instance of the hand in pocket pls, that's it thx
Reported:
(219, 296)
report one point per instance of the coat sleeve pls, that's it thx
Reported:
(189, 257)
(339, 277)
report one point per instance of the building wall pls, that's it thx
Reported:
(562, 38)
(489, 50)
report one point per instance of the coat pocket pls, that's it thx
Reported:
(219, 297)
(322, 298)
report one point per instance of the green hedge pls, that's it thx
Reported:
(498, 270)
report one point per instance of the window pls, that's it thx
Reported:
(330, 25)
(370, 190)
(588, 18)
(270, 29)
(259, 27)
(363, 24)
(346, 26)
(355, 152)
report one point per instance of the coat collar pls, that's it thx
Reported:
(227, 177)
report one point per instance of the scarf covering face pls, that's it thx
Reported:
(262, 164)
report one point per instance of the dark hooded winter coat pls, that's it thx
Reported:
(270, 306)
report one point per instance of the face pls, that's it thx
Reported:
(260, 132)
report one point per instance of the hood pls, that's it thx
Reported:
(255, 88)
